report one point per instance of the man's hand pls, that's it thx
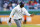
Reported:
(9, 20)
(32, 15)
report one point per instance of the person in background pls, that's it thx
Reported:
(9, 7)
(5, 6)
(25, 19)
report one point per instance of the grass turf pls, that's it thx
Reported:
(22, 26)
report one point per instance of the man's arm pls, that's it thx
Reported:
(12, 12)
(26, 12)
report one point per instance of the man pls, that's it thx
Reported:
(18, 12)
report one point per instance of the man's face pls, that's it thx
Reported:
(22, 6)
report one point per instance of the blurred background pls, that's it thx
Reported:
(33, 6)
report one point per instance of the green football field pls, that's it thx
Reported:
(22, 26)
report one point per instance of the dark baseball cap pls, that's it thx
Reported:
(21, 3)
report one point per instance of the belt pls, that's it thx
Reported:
(20, 19)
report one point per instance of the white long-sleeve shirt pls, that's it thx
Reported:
(19, 12)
